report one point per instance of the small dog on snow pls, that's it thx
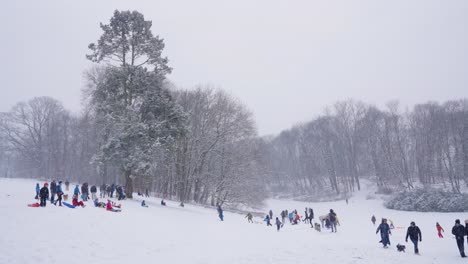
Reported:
(318, 227)
(401, 248)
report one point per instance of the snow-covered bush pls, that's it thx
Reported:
(428, 200)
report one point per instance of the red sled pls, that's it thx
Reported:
(34, 205)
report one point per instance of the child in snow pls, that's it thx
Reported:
(249, 217)
(44, 194)
(163, 203)
(333, 220)
(439, 230)
(38, 189)
(99, 204)
(76, 191)
(373, 219)
(143, 204)
(75, 201)
(278, 224)
(109, 207)
(59, 193)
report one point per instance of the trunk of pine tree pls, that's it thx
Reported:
(128, 183)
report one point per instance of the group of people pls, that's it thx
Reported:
(414, 234)
(43, 193)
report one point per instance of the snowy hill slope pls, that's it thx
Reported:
(195, 235)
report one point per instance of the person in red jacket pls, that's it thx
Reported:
(76, 202)
(439, 230)
(110, 208)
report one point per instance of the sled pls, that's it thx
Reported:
(68, 205)
(34, 205)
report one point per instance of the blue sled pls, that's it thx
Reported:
(68, 205)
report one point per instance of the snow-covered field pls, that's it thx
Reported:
(195, 235)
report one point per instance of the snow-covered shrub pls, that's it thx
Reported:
(428, 200)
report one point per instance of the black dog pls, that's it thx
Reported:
(401, 248)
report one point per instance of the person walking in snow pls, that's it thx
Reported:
(311, 217)
(306, 213)
(220, 212)
(249, 217)
(373, 220)
(414, 233)
(278, 224)
(44, 194)
(439, 230)
(291, 217)
(93, 192)
(267, 220)
(385, 233)
(271, 214)
(459, 232)
(53, 191)
(283, 216)
(59, 194)
(38, 189)
(333, 220)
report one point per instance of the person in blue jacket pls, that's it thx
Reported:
(220, 213)
(59, 191)
(77, 190)
(384, 230)
(38, 189)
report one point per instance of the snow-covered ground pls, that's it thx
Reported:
(195, 235)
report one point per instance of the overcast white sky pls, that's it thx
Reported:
(286, 60)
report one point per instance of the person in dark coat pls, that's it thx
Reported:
(278, 224)
(93, 192)
(112, 190)
(220, 213)
(271, 214)
(53, 191)
(44, 194)
(67, 184)
(459, 232)
(414, 233)
(311, 217)
(306, 217)
(384, 230)
(373, 219)
(267, 220)
(333, 220)
(38, 189)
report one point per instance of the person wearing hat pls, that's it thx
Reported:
(44, 194)
(459, 232)
(414, 233)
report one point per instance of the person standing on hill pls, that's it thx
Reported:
(414, 233)
(38, 189)
(333, 220)
(311, 216)
(53, 191)
(249, 217)
(267, 220)
(385, 232)
(459, 232)
(59, 194)
(44, 194)
(439, 230)
(220, 213)
(373, 220)
(271, 214)
(76, 191)
(93, 192)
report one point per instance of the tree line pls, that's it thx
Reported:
(425, 146)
